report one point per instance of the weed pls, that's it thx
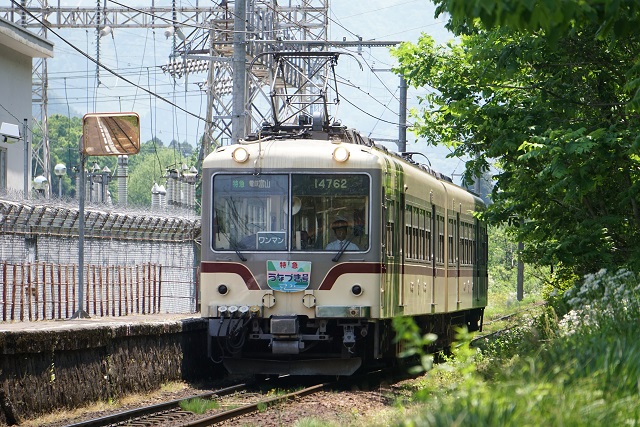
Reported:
(199, 405)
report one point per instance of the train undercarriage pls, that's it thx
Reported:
(298, 345)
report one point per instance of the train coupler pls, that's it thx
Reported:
(349, 336)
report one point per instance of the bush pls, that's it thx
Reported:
(583, 370)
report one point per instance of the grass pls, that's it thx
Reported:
(136, 399)
(199, 405)
(534, 373)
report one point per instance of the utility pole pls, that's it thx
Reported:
(234, 93)
(402, 116)
(520, 279)
(239, 71)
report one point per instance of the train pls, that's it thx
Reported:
(315, 237)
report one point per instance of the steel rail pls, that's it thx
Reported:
(153, 409)
(253, 407)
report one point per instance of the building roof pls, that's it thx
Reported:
(23, 41)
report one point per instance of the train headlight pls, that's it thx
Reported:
(341, 154)
(356, 290)
(240, 155)
(223, 289)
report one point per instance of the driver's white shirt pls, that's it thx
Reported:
(337, 245)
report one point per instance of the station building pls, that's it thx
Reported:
(18, 48)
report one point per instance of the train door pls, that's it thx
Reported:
(392, 255)
(456, 244)
(402, 237)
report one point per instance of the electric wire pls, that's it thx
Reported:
(100, 64)
(174, 105)
(198, 116)
(369, 66)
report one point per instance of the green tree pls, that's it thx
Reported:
(148, 168)
(64, 137)
(550, 109)
(145, 169)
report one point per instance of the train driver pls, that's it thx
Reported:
(339, 227)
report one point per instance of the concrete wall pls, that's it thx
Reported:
(15, 96)
(41, 371)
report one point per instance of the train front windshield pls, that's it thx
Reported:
(291, 212)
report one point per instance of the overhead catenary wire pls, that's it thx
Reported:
(132, 71)
(90, 58)
(121, 76)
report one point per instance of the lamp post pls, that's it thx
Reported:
(60, 170)
(40, 184)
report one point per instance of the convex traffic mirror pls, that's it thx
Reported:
(110, 134)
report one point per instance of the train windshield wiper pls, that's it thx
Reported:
(342, 249)
(234, 246)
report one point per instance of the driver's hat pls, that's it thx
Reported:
(340, 222)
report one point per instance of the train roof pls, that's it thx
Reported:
(315, 128)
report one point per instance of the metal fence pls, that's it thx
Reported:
(135, 262)
(44, 291)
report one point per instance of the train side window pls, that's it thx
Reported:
(416, 233)
(465, 244)
(474, 256)
(450, 251)
(408, 243)
(469, 240)
(428, 242)
(440, 231)
(460, 244)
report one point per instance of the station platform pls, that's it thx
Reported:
(99, 322)
(50, 364)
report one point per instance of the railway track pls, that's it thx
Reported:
(155, 414)
(246, 401)
(170, 413)
(505, 318)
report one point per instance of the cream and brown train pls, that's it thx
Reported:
(312, 241)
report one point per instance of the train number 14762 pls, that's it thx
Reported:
(330, 183)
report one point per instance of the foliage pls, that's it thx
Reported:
(64, 137)
(408, 334)
(199, 405)
(588, 377)
(613, 20)
(604, 298)
(552, 116)
(503, 267)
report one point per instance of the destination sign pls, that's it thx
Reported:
(265, 184)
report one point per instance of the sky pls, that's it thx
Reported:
(76, 87)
